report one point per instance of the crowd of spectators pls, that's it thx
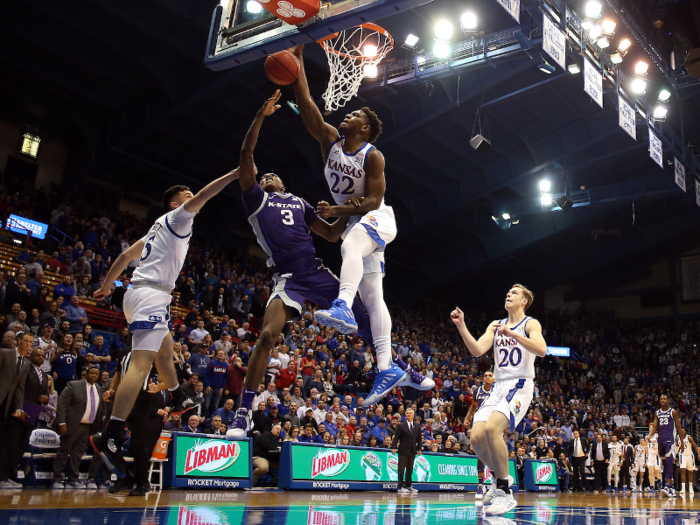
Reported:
(316, 378)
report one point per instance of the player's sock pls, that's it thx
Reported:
(247, 399)
(380, 320)
(400, 362)
(502, 484)
(356, 246)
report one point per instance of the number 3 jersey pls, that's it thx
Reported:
(281, 223)
(166, 248)
(511, 361)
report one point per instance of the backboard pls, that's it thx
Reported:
(241, 31)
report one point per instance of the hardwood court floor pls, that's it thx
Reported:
(332, 508)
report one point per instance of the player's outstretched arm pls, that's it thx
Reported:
(677, 420)
(247, 169)
(476, 348)
(332, 231)
(323, 132)
(472, 410)
(207, 192)
(375, 187)
(654, 425)
(118, 267)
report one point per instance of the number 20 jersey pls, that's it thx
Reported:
(512, 361)
(166, 248)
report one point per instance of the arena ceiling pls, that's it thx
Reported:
(124, 83)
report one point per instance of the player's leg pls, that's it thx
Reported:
(276, 316)
(357, 245)
(390, 375)
(617, 477)
(610, 475)
(690, 468)
(498, 463)
(480, 472)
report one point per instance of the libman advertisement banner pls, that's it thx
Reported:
(203, 461)
(315, 466)
(541, 475)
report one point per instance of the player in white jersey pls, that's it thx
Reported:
(640, 461)
(653, 462)
(516, 342)
(161, 253)
(687, 460)
(615, 448)
(355, 168)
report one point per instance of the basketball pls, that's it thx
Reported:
(282, 68)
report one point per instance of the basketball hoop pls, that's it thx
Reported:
(350, 53)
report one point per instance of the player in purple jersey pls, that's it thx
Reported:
(282, 222)
(481, 394)
(667, 424)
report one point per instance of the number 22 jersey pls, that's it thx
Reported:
(281, 224)
(511, 361)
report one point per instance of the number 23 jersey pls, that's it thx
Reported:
(512, 361)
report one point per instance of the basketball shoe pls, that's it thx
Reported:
(384, 382)
(338, 316)
(241, 424)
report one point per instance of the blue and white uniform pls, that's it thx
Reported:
(514, 371)
(653, 453)
(687, 458)
(147, 302)
(345, 174)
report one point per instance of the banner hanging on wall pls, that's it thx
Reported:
(592, 82)
(554, 41)
(627, 117)
(679, 174)
(656, 148)
(513, 8)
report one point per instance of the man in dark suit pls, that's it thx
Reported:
(13, 371)
(579, 452)
(77, 418)
(600, 456)
(408, 440)
(266, 452)
(36, 391)
(626, 468)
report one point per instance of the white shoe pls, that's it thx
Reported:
(502, 503)
(413, 490)
(491, 494)
(479, 493)
(403, 490)
(57, 485)
(499, 520)
(91, 485)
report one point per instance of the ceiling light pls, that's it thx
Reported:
(624, 45)
(411, 40)
(660, 113)
(608, 27)
(515, 221)
(370, 71)
(469, 21)
(253, 7)
(545, 185)
(664, 95)
(603, 43)
(595, 32)
(506, 216)
(494, 219)
(638, 86)
(593, 9)
(369, 50)
(641, 68)
(546, 67)
(616, 58)
(587, 24)
(441, 49)
(546, 199)
(443, 30)
(574, 69)
(420, 59)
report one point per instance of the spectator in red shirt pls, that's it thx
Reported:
(287, 376)
(308, 367)
(234, 381)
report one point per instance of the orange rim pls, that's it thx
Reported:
(367, 25)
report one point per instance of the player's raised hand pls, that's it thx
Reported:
(457, 316)
(355, 201)
(270, 105)
(323, 209)
(297, 50)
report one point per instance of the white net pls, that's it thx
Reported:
(352, 54)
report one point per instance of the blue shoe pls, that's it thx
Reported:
(384, 382)
(241, 424)
(338, 316)
(417, 380)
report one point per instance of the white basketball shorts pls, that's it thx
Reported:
(147, 311)
(511, 398)
(687, 461)
(653, 462)
(638, 466)
(381, 226)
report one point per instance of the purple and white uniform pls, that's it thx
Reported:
(281, 223)
(666, 431)
(481, 395)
